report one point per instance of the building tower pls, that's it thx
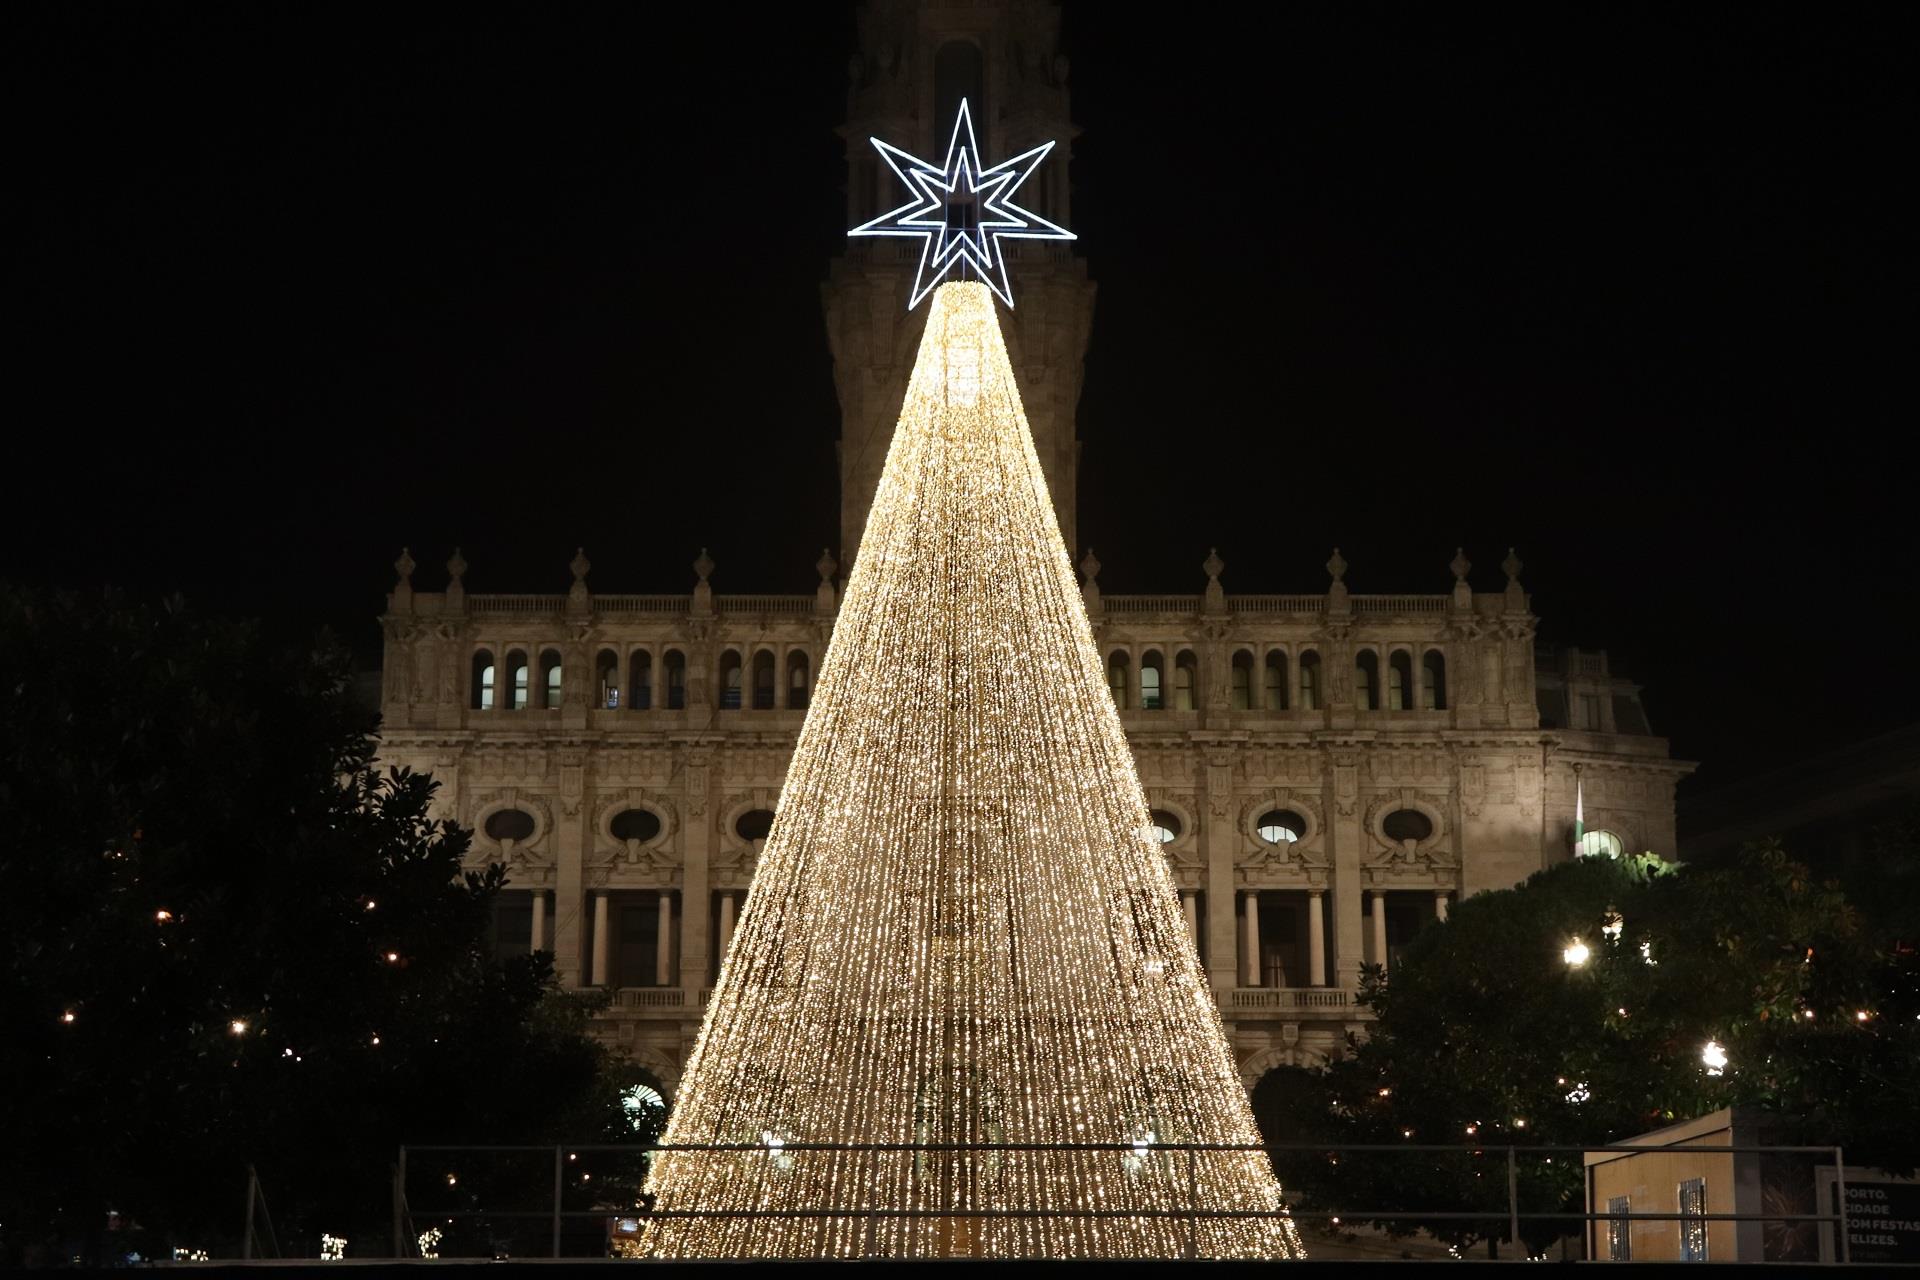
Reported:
(917, 61)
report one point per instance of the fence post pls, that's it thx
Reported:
(559, 1166)
(1840, 1195)
(246, 1241)
(1193, 1203)
(398, 1252)
(1513, 1203)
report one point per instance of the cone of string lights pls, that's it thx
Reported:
(962, 933)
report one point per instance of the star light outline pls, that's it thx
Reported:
(925, 217)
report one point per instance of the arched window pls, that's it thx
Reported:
(640, 680)
(1400, 681)
(1119, 677)
(1310, 681)
(1150, 681)
(1186, 681)
(1406, 824)
(1276, 684)
(675, 664)
(1240, 696)
(1280, 826)
(482, 681)
(754, 824)
(517, 675)
(1166, 825)
(797, 687)
(550, 680)
(763, 681)
(607, 679)
(730, 680)
(1433, 687)
(1366, 680)
(1599, 844)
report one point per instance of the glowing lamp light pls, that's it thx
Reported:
(1861, 1016)
(1472, 1129)
(1579, 1093)
(371, 904)
(1646, 953)
(238, 1027)
(453, 1180)
(1385, 1092)
(376, 1040)
(1809, 1013)
(1520, 1122)
(1714, 1056)
(393, 957)
(68, 1017)
(163, 915)
(1576, 954)
(1615, 926)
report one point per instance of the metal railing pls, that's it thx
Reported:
(1193, 1213)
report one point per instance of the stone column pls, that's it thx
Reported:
(538, 940)
(1440, 905)
(1347, 836)
(1317, 939)
(726, 923)
(1377, 905)
(569, 841)
(663, 945)
(1250, 906)
(598, 978)
(1190, 907)
(696, 845)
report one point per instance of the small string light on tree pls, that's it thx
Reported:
(959, 934)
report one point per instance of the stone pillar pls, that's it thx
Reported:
(1347, 835)
(696, 845)
(1221, 839)
(1440, 905)
(1250, 906)
(663, 946)
(538, 940)
(601, 929)
(569, 886)
(1190, 907)
(1317, 939)
(726, 923)
(1377, 905)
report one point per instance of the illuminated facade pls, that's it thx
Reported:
(1329, 769)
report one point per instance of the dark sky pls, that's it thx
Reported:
(294, 286)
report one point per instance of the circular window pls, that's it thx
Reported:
(1599, 844)
(635, 824)
(1407, 824)
(1165, 826)
(510, 824)
(754, 824)
(1280, 826)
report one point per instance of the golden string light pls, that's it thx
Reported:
(962, 930)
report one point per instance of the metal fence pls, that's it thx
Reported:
(554, 1215)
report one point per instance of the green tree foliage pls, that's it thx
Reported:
(228, 940)
(1487, 1034)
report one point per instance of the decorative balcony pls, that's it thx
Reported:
(1290, 998)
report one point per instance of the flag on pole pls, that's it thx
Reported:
(1579, 813)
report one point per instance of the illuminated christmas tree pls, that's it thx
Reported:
(962, 930)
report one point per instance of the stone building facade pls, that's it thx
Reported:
(1328, 770)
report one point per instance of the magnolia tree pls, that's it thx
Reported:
(227, 940)
(1596, 1001)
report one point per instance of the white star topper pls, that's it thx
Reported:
(961, 211)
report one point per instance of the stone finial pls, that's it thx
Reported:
(456, 596)
(400, 599)
(579, 599)
(825, 599)
(1090, 584)
(580, 564)
(1462, 593)
(1516, 601)
(1215, 600)
(702, 593)
(1337, 602)
(703, 566)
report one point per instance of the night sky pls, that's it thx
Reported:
(294, 286)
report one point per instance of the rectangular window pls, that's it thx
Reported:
(1590, 711)
(1693, 1220)
(1619, 1230)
